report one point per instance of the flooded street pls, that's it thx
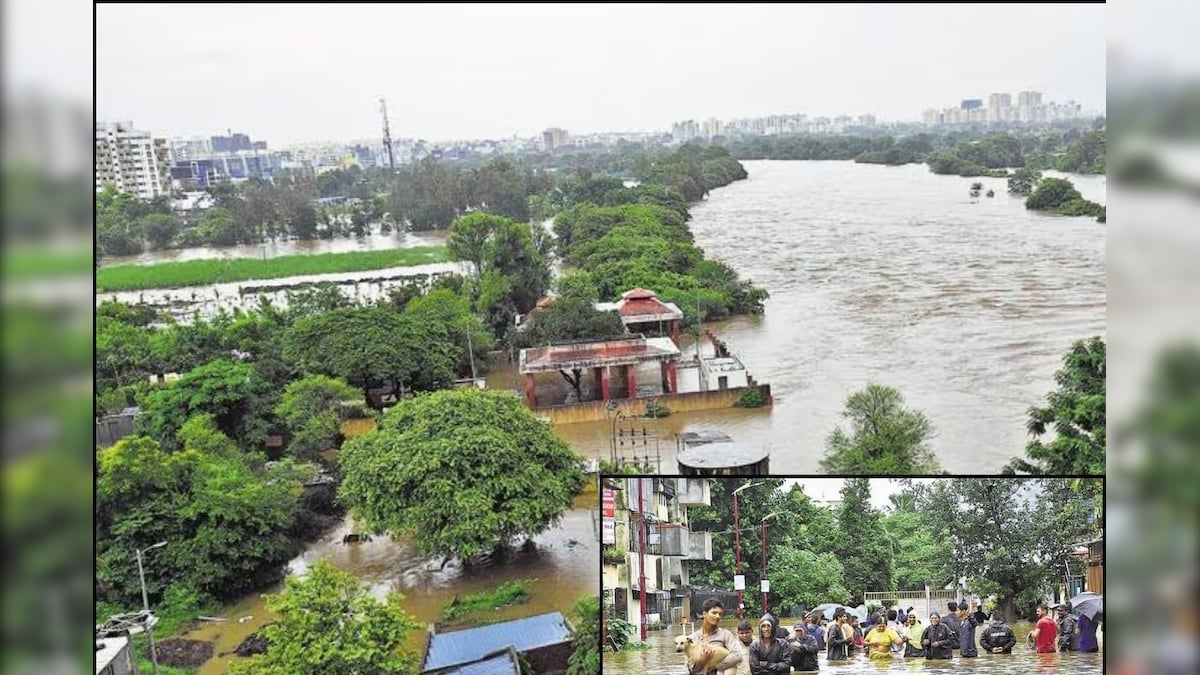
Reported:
(892, 275)
(661, 659)
(562, 568)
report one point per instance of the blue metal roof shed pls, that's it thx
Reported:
(504, 663)
(465, 646)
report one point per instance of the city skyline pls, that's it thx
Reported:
(487, 72)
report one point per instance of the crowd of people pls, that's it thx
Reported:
(771, 648)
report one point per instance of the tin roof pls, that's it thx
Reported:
(465, 646)
(503, 663)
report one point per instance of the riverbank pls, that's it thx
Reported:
(203, 272)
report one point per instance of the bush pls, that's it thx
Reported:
(751, 398)
(656, 410)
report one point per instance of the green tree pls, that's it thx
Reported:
(862, 543)
(233, 393)
(466, 471)
(1023, 180)
(1075, 412)
(803, 577)
(885, 438)
(370, 346)
(160, 229)
(225, 523)
(312, 409)
(328, 622)
(1052, 193)
(585, 646)
(920, 557)
(577, 284)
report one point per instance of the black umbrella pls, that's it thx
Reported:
(1088, 604)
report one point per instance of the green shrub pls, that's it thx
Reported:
(751, 398)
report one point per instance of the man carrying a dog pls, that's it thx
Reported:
(711, 634)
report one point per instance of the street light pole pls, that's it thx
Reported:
(764, 555)
(737, 544)
(146, 603)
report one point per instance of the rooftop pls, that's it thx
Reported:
(470, 645)
(616, 352)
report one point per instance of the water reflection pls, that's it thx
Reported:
(661, 659)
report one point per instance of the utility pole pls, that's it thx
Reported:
(387, 136)
(146, 601)
(471, 353)
(642, 556)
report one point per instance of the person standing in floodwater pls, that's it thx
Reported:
(938, 639)
(997, 637)
(745, 636)
(711, 633)
(838, 638)
(912, 636)
(1045, 633)
(880, 639)
(966, 633)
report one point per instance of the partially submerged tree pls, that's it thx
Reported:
(462, 471)
(328, 622)
(312, 409)
(885, 438)
(1075, 412)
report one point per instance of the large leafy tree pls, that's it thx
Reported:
(862, 544)
(233, 393)
(461, 471)
(803, 577)
(921, 557)
(1075, 413)
(1008, 536)
(225, 522)
(885, 438)
(369, 346)
(311, 408)
(328, 622)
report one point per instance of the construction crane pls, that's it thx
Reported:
(387, 136)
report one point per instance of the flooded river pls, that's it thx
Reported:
(661, 659)
(897, 276)
(563, 567)
(282, 247)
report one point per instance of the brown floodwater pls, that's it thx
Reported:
(896, 276)
(563, 567)
(661, 659)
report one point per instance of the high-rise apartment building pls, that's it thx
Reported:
(555, 138)
(131, 161)
(1029, 98)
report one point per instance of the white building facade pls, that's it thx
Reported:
(131, 161)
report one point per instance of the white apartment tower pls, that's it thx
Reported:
(131, 160)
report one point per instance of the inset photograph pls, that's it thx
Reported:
(775, 575)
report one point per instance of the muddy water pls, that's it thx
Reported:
(897, 276)
(661, 659)
(274, 249)
(563, 567)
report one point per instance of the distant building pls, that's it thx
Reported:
(131, 160)
(1029, 98)
(231, 143)
(971, 104)
(555, 138)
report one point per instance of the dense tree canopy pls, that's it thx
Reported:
(235, 395)
(461, 471)
(225, 522)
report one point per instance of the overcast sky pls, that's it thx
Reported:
(288, 73)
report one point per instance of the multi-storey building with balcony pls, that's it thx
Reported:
(667, 545)
(131, 161)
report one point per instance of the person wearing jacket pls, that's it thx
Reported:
(814, 630)
(1087, 633)
(966, 633)
(951, 620)
(838, 638)
(1068, 631)
(804, 650)
(937, 639)
(981, 618)
(769, 654)
(997, 637)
